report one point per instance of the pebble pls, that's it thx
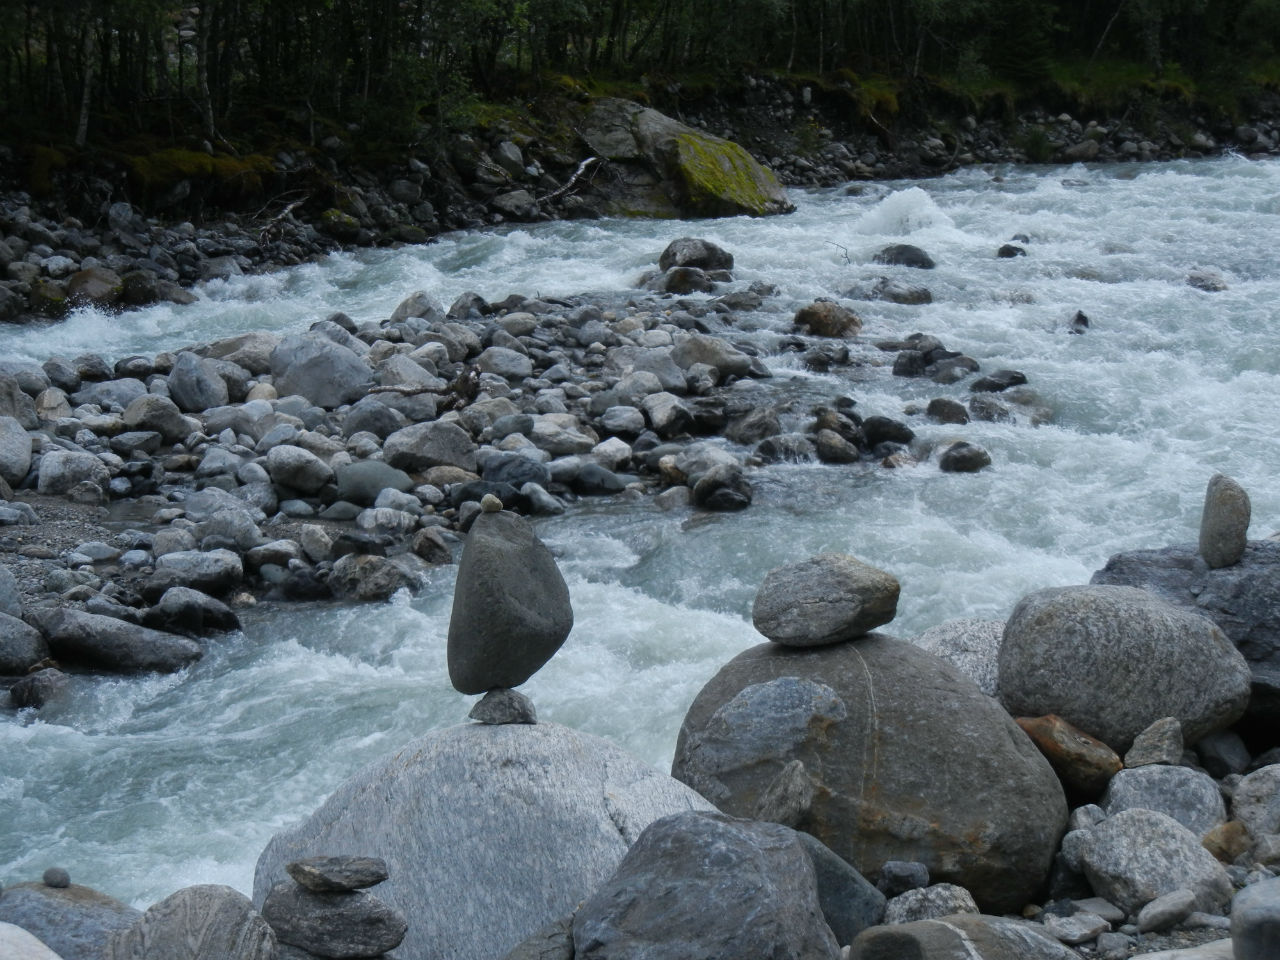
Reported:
(57, 877)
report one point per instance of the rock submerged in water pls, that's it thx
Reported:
(511, 609)
(824, 599)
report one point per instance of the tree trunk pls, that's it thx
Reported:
(82, 126)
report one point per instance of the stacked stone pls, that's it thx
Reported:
(325, 912)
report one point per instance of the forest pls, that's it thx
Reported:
(79, 72)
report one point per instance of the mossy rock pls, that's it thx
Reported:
(339, 225)
(722, 180)
(219, 178)
(48, 298)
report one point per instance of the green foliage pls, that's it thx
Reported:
(1035, 143)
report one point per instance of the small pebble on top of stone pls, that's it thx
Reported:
(57, 877)
(504, 705)
(337, 874)
(490, 504)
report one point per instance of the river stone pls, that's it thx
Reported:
(361, 576)
(297, 468)
(1110, 660)
(11, 594)
(1189, 796)
(959, 937)
(701, 884)
(1242, 599)
(326, 373)
(1224, 524)
(1255, 921)
(946, 779)
(160, 414)
(504, 362)
(1137, 855)
(37, 689)
(511, 607)
(928, 903)
(210, 571)
(1166, 910)
(699, 348)
(825, 599)
(1159, 743)
(963, 457)
(826, 318)
(337, 874)
(190, 611)
(904, 255)
(695, 252)
(75, 922)
(420, 446)
(205, 922)
(21, 646)
(1084, 764)
(362, 481)
(194, 384)
(849, 902)
(347, 924)
(17, 944)
(15, 451)
(501, 705)
(110, 644)
(110, 393)
(971, 646)
(1256, 801)
(61, 470)
(453, 811)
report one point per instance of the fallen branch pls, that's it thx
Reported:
(573, 181)
(843, 250)
(275, 226)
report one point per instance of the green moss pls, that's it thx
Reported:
(219, 178)
(721, 179)
(339, 225)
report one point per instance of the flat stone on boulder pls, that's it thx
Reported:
(337, 874)
(346, 924)
(825, 599)
(205, 922)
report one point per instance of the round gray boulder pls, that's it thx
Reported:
(421, 446)
(704, 885)
(511, 607)
(824, 599)
(60, 470)
(325, 372)
(1189, 796)
(453, 811)
(971, 646)
(21, 646)
(945, 778)
(194, 384)
(1112, 660)
(297, 468)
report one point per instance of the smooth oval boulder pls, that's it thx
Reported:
(204, 922)
(946, 778)
(824, 599)
(511, 608)
(1224, 523)
(110, 644)
(705, 885)
(325, 372)
(194, 384)
(75, 922)
(452, 812)
(1112, 660)
(1189, 796)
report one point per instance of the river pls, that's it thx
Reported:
(140, 786)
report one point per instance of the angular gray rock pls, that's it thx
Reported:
(850, 904)
(824, 599)
(362, 481)
(929, 903)
(1256, 801)
(313, 366)
(21, 646)
(705, 885)
(1166, 910)
(971, 646)
(946, 779)
(700, 348)
(1255, 921)
(74, 922)
(346, 924)
(960, 937)
(451, 812)
(194, 384)
(10, 593)
(204, 922)
(1111, 660)
(360, 576)
(1161, 742)
(337, 874)
(1189, 796)
(300, 469)
(1224, 524)
(421, 446)
(159, 414)
(190, 611)
(1137, 855)
(511, 608)
(1242, 599)
(15, 451)
(110, 644)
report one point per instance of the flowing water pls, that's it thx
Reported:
(142, 786)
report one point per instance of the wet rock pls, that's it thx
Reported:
(39, 688)
(511, 607)
(695, 252)
(999, 381)
(1224, 524)
(946, 410)
(904, 255)
(1210, 281)
(898, 291)
(963, 457)
(110, 644)
(826, 318)
(1110, 660)
(205, 922)
(707, 885)
(824, 599)
(190, 611)
(21, 646)
(723, 487)
(359, 576)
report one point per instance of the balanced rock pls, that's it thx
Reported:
(1255, 921)
(454, 810)
(1110, 660)
(1224, 525)
(504, 706)
(706, 885)
(75, 922)
(963, 937)
(206, 922)
(511, 607)
(345, 924)
(946, 779)
(825, 599)
(337, 874)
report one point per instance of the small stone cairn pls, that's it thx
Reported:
(1224, 524)
(326, 912)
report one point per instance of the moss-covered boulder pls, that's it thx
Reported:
(668, 169)
(341, 226)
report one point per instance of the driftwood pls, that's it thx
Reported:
(275, 226)
(589, 164)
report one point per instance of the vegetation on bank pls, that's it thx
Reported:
(198, 89)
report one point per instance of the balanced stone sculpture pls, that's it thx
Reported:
(1224, 525)
(511, 607)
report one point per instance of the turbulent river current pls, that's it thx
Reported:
(140, 786)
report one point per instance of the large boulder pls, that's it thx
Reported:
(297, 468)
(75, 636)
(326, 373)
(194, 384)
(1189, 796)
(60, 470)
(1242, 599)
(972, 646)
(511, 607)
(1112, 660)
(1224, 523)
(668, 169)
(74, 922)
(945, 778)
(160, 414)
(21, 646)
(452, 812)
(704, 885)
(824, 599)
(205, 922)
